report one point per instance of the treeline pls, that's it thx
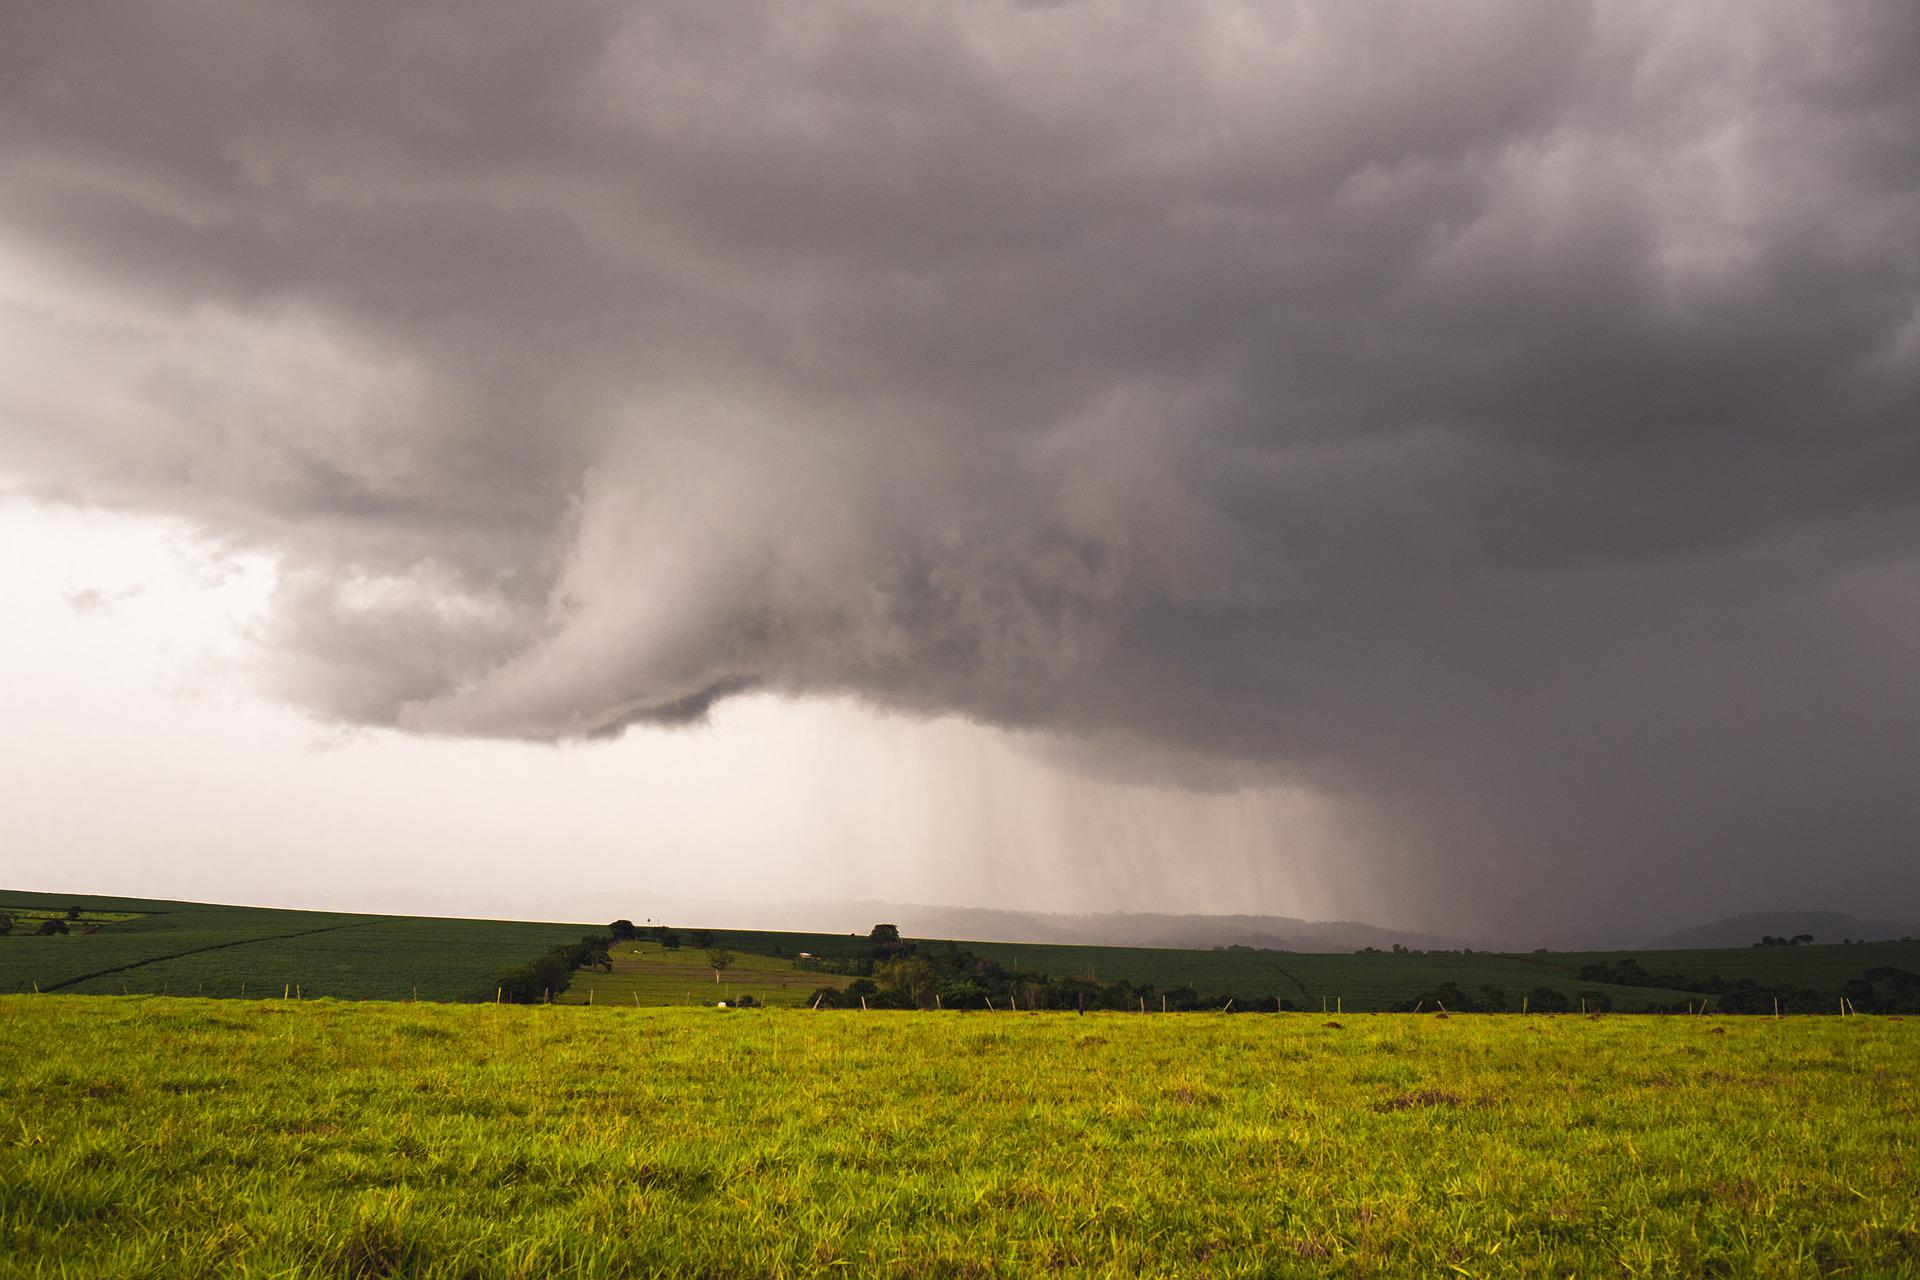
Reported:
(1881, 990)
(547, 975)
(897, 974)
(625, 931)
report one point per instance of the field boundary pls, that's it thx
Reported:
(215, 946)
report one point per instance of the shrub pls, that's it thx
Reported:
(49, 927)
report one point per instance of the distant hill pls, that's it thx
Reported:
(1747, 929)
(1129, 929)
(920, 920)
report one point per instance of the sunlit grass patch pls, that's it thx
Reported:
(168, 1137)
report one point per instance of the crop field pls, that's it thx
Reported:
(162, 1137)
(1378, 981)
(184, 948)
(137, 946)
(646, 973)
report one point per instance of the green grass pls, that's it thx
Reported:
(178, 1137)
(646, 973)
(1377, 982)
(185, 948)
(182, 948)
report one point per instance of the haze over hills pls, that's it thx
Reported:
(1112, 928)
(979, 924)
(1749, 927)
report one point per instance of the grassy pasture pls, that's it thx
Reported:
(159, 1137)
(648, 973)
(182, 948)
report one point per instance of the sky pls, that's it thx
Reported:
(1451, 466)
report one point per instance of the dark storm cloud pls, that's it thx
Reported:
(1504, 413)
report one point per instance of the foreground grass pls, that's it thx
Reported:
(182, 1137)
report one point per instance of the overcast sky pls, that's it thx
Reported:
(1454, 465)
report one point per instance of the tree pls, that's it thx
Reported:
(50, 927)
(621, 930)
(671, 941)
(911, 977)
(73, 913)
(718, 960)
(885, 939)
(703, 938)
(6, 924)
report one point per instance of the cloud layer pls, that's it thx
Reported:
(1502, 415)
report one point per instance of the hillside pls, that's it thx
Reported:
(1747, 929)
(134, 946)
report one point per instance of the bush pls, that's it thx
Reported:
(548, 975)
(1884, 990)
(50, 927)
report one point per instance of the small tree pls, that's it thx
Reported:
(717, 961)
(50, 927)
(6, 924)
(73, 913)
(621, 930)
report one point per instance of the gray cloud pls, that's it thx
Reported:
(1500, 413)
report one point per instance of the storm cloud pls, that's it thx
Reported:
(1504, 417)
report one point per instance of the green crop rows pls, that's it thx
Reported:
(136, 946)
(159, 1137)
(185, 948)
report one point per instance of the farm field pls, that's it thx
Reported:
(648, 974)
(183, 1137)
(196, 948)
(139, 946)
(1378, 981)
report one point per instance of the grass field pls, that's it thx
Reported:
(158, 1137)
(180, 948)
(1378, 981)
(646, 973)
(187, 948)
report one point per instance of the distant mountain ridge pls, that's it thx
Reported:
(923, 920)
(1748, 928)
(1111, 928)
(1149, 929)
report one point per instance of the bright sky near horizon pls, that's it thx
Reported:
(142, 758)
